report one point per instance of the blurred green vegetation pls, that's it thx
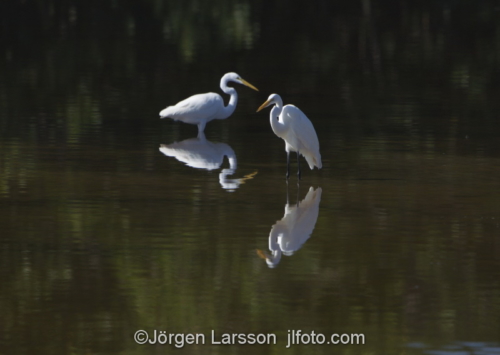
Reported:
(438, 58)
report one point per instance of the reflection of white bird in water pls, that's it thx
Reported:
(200, 153)
(293, 126)
(202, 108)
(294, 229)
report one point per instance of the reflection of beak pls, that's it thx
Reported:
(247, 177)
(261, 254)
(244, 82)
(265, 104)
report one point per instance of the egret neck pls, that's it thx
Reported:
(277, 126)
(231, 106)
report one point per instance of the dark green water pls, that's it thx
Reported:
(102, 234)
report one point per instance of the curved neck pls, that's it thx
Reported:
(277, 125)
(274, 246)
(231, 106)
(231, 156)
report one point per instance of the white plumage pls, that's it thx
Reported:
(202, 108)
(291, 232)
(301, 136)
(293, 126)
(200, 153)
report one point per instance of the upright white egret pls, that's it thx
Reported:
(294, 229)
(293, 126)
(202, 108)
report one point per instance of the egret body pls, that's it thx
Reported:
(293, 126)
(202, 108)
(200, 153)
(290, 233)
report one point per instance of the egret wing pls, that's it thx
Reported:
(306, 137)
(195, 108)
(304, 220)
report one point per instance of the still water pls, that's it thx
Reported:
(114, 221)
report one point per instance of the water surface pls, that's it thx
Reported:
(105, 232)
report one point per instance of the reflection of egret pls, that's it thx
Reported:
(200, 153)
(293, 126)
(294, 229)
(202, 108)
(232, 184)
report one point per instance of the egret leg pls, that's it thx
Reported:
(298, 164)
(287, 165)
(201, 135)
(287, 199)
(201, 127)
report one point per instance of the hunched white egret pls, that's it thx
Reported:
(202, 108)
(200, 153)
(293, 126)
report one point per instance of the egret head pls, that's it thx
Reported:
(271, 260)
(237, 79)
(273, 99)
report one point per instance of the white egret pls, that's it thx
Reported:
(291, 232)
(293, 126)
(202, 108)
(200, 153)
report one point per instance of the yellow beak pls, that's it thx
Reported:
(261, 254)
(264, 105)
(244, 82)
(247, 177)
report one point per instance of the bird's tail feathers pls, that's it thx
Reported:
(319, 164)
(314, 161)
(166, 112)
